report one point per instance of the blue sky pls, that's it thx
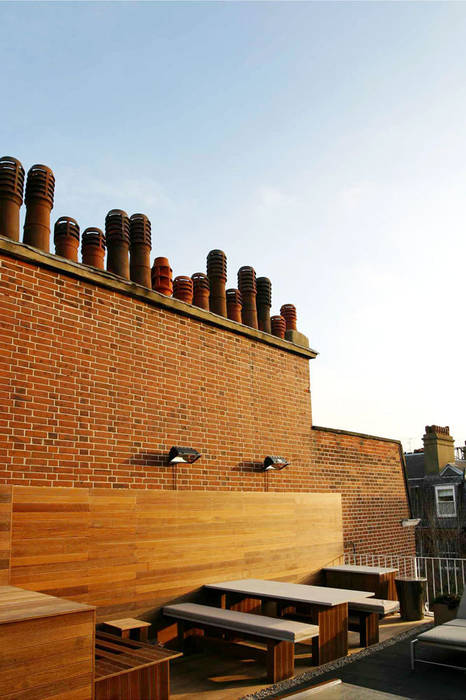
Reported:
(322, 143)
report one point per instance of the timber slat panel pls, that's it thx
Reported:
(128, 553)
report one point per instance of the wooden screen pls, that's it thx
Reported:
(132, 551)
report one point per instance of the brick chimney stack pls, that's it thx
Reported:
(217, 274)
(439, 448)
(11, 196)
(201, 290)
(117, 237)
(66, 238)
(234, 305)
(93, 248)
(162, 277)
(40, 189)
(264, 303)
(247, 287)
(139, 249)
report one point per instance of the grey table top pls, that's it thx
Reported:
(296, 592)
(354, 569)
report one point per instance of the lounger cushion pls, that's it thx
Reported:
(376, 605)
(445, 635)
(456, 623)
(259, 625)
(461, 614)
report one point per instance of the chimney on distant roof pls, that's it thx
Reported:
(264, 302)
(217, 274)
(234, 305)
(117, 237)
(40, 189)
(93, 247)
(11, 196)
(288, 311)
(439, 448)
(139, 249)
(201, 290)
(66, 238)
(162, 277)
(248, 288)
(183, 289)
(278, 324)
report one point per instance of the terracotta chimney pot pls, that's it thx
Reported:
(183, 289)
(66, 238)
(234, 305)
(93, 247)
(139, 250)
(162, 276)
(264, 302)
(288, 311)
(11, 196)
(201, 290)
(248, 289)
(278, 324)
(217, 274)
(40, 188)
(117, 238)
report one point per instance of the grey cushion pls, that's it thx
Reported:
(259, 625)
(445, 635)
(456, 623)
(462, 607)
(376, 605)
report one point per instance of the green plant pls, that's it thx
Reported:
(451, 600)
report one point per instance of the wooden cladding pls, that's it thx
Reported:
(130, 552)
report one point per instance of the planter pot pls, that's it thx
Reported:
(442, 613)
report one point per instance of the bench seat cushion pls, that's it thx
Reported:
(258, 625)
(445, 635)
(376, 605)
(456, 623)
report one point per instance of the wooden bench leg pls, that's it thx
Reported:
(280, 661)
(368, 629)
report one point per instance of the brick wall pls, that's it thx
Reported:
(99, 384)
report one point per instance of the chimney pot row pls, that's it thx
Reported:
(217, 274)
(139, 249)
(117, 237)
(288, 311)
(162, 276)
(247, 287)
(201, 290)
(183, 288)
(234, 305)
(40, 189)
(278, 324)
(11, 196)
(93, 247)
(264, 302)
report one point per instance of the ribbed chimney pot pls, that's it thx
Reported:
(162, 276)
(66, 238)
(278, 324)
(11, 196)
(183, 289)
(288, 311)
(40, 189)
(248, 289)
(234, 305)
(117, 238)
(201, 290)
(93, 247)
(217, 274)
(139, 249)
(263, 303)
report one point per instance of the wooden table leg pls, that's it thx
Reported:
(368, 629)
(144, 634)
(332, 642)
(280, 661)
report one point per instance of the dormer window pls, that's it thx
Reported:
(446, 501)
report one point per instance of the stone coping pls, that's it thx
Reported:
(108, 280)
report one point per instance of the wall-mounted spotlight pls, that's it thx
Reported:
(183, 455)
(272, 462)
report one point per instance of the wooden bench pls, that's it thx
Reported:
(228, 625)
(126, 625)
(130, 670)
(364, 617)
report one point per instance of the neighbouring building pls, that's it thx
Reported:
(437, 488)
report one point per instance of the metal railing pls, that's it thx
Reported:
(443, 574)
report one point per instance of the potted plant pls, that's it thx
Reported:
(445, 607)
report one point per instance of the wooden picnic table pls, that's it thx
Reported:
(380, 579)
(325, 607)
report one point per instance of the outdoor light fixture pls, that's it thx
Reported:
(180, 455)
(410, 522)
(273, 462)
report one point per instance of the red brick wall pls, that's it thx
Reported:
(98, 386)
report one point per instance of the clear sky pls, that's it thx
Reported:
(322, 143)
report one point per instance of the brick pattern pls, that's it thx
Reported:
(98, 386)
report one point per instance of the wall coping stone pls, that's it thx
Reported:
(108, 280)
